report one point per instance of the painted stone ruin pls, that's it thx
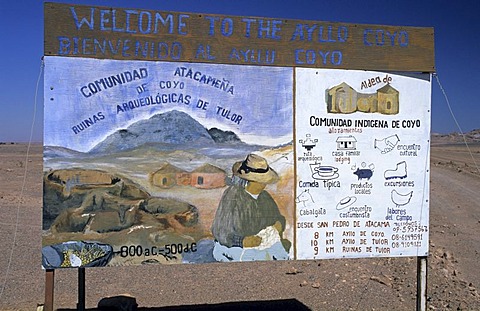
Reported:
(97, 205)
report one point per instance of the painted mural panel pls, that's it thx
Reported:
(159, 163)
(362, 158)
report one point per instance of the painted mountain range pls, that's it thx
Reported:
(170, 128)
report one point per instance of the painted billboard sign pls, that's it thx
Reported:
(139, 156)
(150, 161)
(363, 185)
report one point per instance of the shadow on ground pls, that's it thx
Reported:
(287, 304)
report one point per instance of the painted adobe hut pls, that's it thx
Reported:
(168, 176)
(388, 100)
(208, 176)
(341, 99)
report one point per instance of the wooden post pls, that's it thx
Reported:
(422, 283)
(49, 287)
(81, 289)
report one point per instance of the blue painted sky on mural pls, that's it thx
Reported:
(256, 107)
(457, 49)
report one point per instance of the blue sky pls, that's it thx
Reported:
(457, 48)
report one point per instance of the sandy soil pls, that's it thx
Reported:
(349, 284)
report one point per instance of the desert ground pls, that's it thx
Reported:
(347, 284)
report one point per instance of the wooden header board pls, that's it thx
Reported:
(136, 34)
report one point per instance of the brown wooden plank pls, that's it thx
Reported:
(49, 289)
(137, 34)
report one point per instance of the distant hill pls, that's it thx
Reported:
(220, 136)
(61, 152)
(170, 128)
(452, 138)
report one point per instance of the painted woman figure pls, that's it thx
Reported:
(248, 224)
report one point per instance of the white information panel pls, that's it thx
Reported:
(362, 166)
